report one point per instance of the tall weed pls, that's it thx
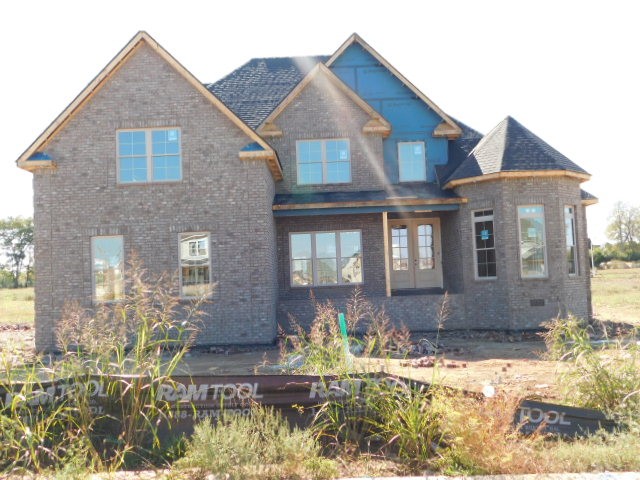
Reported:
(604, 375)
(125, 349)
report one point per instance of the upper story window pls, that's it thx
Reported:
(107, 255)
(533, 255)
(323, 161)
(150, 155)
(570, 234)
(484, 244)
(412, 162)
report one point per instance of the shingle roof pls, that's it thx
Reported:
(588, 197)
(459, 149)
(512, 147)
(256, 88)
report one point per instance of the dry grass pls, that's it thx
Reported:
(16, 306)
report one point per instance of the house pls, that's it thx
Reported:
(299, 175)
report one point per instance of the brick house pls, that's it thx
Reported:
(299, 175)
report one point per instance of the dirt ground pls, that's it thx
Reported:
(470, 360)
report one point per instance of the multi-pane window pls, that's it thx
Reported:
(400, 247)
(484, 245)
(532, 241)
(411, 162)
(570, 235)
(149, 155)
(323, 161)
(195, 264)
(107, 255)
(326, 258)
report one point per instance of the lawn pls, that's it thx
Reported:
(616, 295)
(16, 306)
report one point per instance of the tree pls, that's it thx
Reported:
(624, 224)
(16, 243)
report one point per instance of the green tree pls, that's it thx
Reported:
(16, 244)
(624, 224)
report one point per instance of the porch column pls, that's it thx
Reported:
(385, 236)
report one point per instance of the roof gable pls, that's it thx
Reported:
(377, 124)
(30, 156)
(508, 149)
(447, 128)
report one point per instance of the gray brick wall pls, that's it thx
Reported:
(321, 111)
(219, 193)
(506, 301)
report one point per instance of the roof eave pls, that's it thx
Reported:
(373, 203)
(583, 177)
(34, 165)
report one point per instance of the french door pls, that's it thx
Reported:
(415, 253)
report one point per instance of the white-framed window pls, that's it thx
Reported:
(323, 161)
(570, 236)
(107, 267)
(412, 164)
(533, 252)
(195, 264)
(325, 258)
(484, 244)
(149, 155)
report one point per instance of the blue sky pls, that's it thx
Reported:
(566, 70)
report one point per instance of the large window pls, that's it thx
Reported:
(108, 268)
(411, 162)
(484, 245)
(570, 235)
(323, 161)
(195, 264)
(149, 155)
(325, 258)
(533, 258)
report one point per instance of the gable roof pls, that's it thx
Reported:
(377, 124)
(256, 88)
(447, 128)
(27, 159)
(509, 150)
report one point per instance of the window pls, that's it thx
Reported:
(107, 255)
(570, 234)
(485, 250)
(149, 155)
(195, 266)
(326, 258)
(532, 241)
(411, 162)
(323, 161)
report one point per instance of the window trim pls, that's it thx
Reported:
(314, 259)
(94, 298)
(148, 132)
(323, 160)
(474, 220)
(544, 238)
(575, 239)
(209, 264)
(424, 160)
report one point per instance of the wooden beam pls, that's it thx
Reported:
(583, 177)
(387, 266)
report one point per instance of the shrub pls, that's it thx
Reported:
(261, 445)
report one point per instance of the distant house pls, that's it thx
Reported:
(299, 175)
